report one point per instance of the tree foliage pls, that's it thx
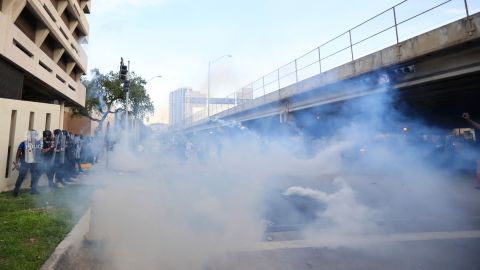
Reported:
(105, 96)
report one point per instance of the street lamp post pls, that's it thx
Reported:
(154, 77)
(126, 99)
(208, 87)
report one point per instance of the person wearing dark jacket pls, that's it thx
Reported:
(475, 125)
(58, 157)
(48, 149)
(28, 159)
(69, 165)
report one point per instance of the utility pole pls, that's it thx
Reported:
(127, 95)
(208, 90)
(125, 78)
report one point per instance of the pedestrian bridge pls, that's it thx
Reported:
(440, 62)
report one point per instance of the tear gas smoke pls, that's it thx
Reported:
(345, 214)
(187, 198)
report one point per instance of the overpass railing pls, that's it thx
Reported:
(352, 44)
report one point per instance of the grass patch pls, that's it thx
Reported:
(31, 227)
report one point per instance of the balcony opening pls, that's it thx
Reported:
(85, 7)
(49, 46)
(67, 17)
(27, 22)
(75, 74)
(62, 63)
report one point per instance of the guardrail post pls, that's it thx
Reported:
(250, 100)
(296, 71)
(395, 21)
(278, 78)
(466, 8)
(263, 85)
(351, 46)
(320, 59)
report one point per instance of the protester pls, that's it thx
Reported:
(86, 151)
(59, 157)
(476, 125)
(28, 159)
(68, 166)
(69, 157)
(48, 149)
(78, 150)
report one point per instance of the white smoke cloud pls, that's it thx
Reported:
(187, 199)
(345, 214)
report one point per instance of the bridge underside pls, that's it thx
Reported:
(435, 103)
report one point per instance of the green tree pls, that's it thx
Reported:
(105, 96)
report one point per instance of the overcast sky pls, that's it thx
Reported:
(177, 38)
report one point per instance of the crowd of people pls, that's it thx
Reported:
(456, 150)
(57, 154)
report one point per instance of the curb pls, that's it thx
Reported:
(74, 237)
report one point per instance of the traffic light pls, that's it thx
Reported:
(123, 71)
(126, 86)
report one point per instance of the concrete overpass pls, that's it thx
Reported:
(438, 70)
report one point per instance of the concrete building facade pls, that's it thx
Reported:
(41, 63)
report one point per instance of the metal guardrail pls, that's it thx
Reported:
(289, 73)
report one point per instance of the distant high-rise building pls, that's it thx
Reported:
(184, 103)
(244, 95)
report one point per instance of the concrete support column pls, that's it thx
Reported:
(285, 116)
(398, 51)
(470, 26)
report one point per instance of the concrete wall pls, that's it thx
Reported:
(12, 133)
(83, 125)
(77, 125)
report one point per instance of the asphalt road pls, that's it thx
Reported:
(426, 254)
(418, 252)
(433, 227)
